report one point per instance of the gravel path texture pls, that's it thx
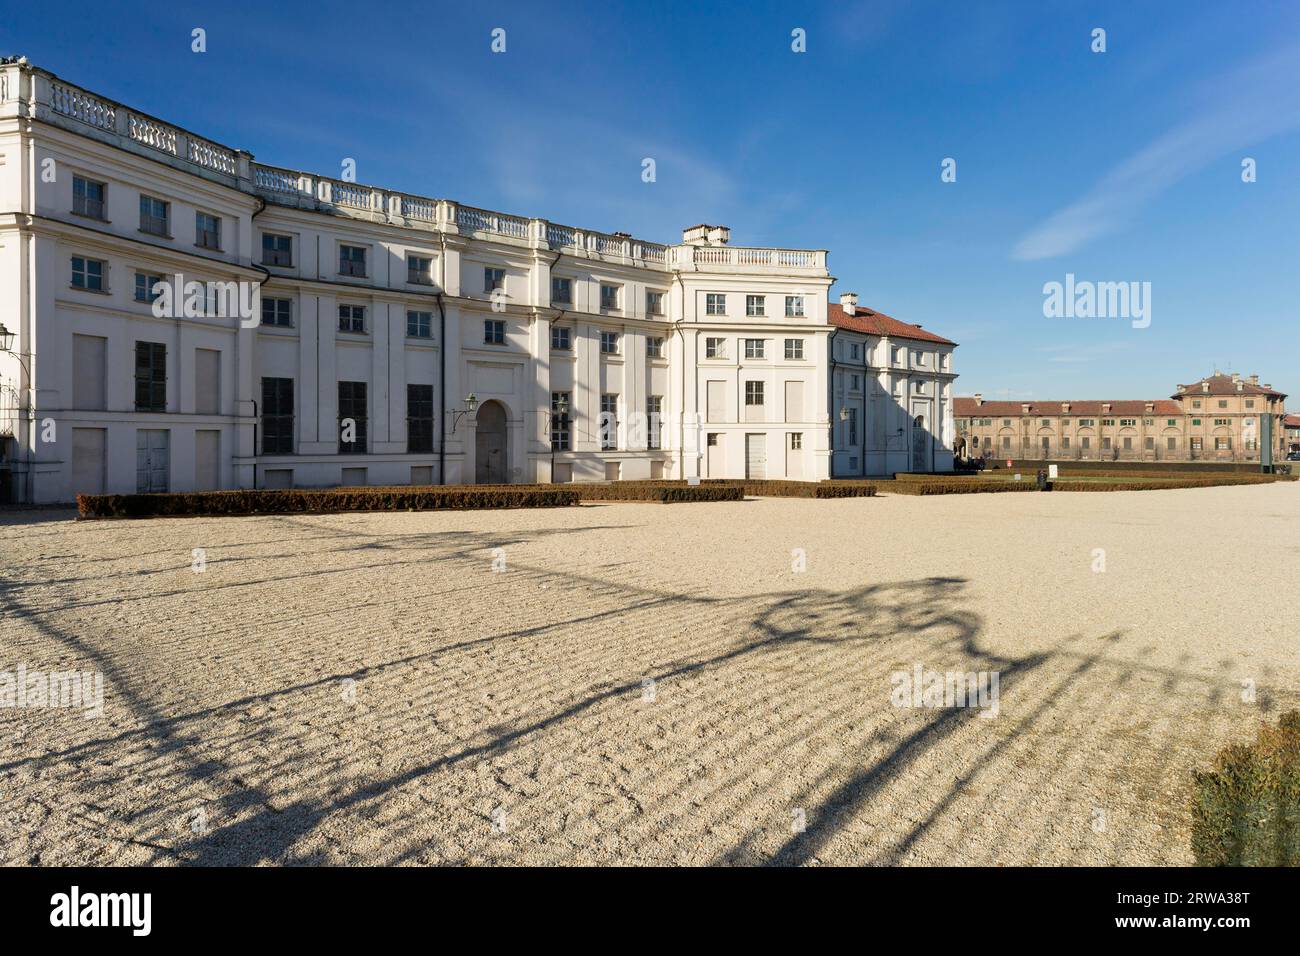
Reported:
(643, 683)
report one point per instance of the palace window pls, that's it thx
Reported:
(352, 318)
(207, 231)
(87, 274)
(419, 325)
(154, 216)
(277, 250)
(419, 419)
(277, 312)
(419, 269)
(87, 197)
(352, 261)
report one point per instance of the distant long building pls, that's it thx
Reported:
(1219, 418)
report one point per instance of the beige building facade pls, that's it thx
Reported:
(1219, 418)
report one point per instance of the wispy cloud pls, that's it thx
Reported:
(1245, 107)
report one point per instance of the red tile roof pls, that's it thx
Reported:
(871, 322)
(1122, 408)
(1291, 421)
(1224, 385)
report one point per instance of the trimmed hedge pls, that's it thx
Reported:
(651, 491)
(905, 484)
(323, 501)
(956, 487)
(1246, 811)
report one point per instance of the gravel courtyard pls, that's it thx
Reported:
(644, 684)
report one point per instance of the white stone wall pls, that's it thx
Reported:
(42, 128)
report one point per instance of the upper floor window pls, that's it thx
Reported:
(207, 231)
(88, 274)
(654, 303)
(1223, 403)
(755, 305)
(493, 279)
(755, 348)
(419, 269)
(609, 297)
(561, 338)
(898, 356)
(277, 312)
(794, 348)
(277, 250)
(1196, 403)
(608, 342)
(1108, 421)
(1250, 403)
(753, 393)
(352, 318)
(793, 306)
(561, 290)
(352, 260)
(154, 216)
(494, 332)
(855, 351)
(715, 303)
(715, 348)
(144, 286)
(87, 197)
(919, 359)
(419, 324)
(654, 346)
(1128, 422)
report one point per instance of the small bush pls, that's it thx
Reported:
(310, 501)
(1246, 811)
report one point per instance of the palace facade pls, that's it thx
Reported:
(1219, 418)
(175, 316)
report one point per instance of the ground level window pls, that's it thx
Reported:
(796, 441)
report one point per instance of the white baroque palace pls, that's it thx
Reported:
(178, 317)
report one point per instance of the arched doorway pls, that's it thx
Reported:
(490, 444)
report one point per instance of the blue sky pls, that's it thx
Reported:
(1115, 166)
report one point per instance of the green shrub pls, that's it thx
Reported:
(1246, 811)
(311, 501)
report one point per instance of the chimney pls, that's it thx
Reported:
(1254, 380)
(1065, 408)
(1236, 376)
(696, 235)
(1205, 387)
(1105, 408)
(1151, 407)
(849, 301)
(979, 399)
(1024, 408)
